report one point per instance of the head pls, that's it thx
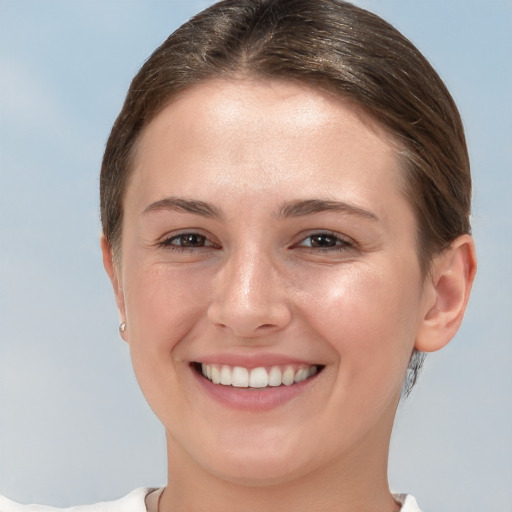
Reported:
(334, 47)
(336, 59)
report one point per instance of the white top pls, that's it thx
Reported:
(136, 502)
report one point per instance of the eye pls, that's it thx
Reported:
(186, 241)
(326, 241)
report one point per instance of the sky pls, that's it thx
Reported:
(74, 427)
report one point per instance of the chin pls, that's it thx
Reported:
(263, 457)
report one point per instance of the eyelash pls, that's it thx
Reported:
(340, 243)
(167, 242)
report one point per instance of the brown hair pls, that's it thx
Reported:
(330, 45)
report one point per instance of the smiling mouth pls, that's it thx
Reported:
(256, 378)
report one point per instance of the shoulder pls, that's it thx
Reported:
(408, 503)
(133, 502)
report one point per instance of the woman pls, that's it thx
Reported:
(285, 199)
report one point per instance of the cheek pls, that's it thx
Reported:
(369, 316)
(162, 304)
(369, 320)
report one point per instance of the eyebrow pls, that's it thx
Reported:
(291, 209)
(310, 206)
(184, 205)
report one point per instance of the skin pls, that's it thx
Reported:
(267, 277)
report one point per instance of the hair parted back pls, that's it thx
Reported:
(330, 45)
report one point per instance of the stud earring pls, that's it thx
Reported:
(122, 327)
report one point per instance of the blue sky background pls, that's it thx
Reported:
(74, 427)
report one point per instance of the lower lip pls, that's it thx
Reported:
(251, 399)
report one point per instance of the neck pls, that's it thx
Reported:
(355, 484)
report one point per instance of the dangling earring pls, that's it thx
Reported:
(122, 327)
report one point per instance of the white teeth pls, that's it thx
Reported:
(288, 376)
(258, 378)
(240, 377)
(274, 377)
(301, 375)
(215, 375)
(225, 376)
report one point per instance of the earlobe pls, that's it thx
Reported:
(112, 272)
(447, 294)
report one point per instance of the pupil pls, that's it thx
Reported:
(192, 240)
(323, 241)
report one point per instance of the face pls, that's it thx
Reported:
(267, 245)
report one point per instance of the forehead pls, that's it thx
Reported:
(228, 137)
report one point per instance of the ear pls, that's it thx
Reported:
(447, 292)
(113, 274)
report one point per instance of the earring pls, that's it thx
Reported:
(122, 327)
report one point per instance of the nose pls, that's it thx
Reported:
(249, 297)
